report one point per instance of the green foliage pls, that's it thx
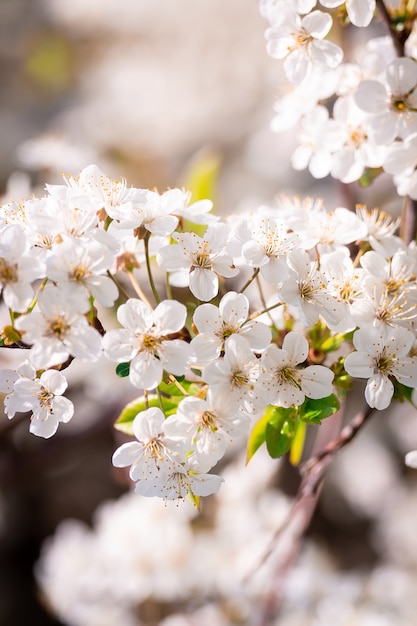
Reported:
(280, 434)
(402, 393)
(123, 369)
(168, 399)
(202, 174)
(342, 381)
(50, 63)
(314, 411)
(125, 420)
(369, 175)
(278, 427)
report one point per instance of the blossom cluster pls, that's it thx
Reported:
(272, 315)
(354, 109)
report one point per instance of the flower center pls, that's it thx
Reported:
(45, 397)
(357, 137)
(150, 343)
(302, 38)
(287, 375)
(80, 272)
(383, 363)
(239, 379)
(399, 104)
(154, 449)
(208, 419)
(8, 273)
(58, 327)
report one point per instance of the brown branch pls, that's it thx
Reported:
(301, 512)
(398, 37)
(408, 228)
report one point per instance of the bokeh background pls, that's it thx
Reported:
(156, 91)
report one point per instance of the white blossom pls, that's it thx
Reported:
(19, 269)
(153, 455)
(145, 341)
(380, 356)
(203, 257)
(300, 41)
(360, 12)
(392, 104)
(286, 382)
(216, 324)
(58, 329)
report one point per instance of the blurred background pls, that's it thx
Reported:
(155, 91)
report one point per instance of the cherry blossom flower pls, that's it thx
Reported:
(357, 151)
(270, 8)
(8, 378)
(84, 264)
(401, 161)
(333, 230)
(150, 210)
(318, 137)
(216, 325)
(204, 258)
(189, 478)
(207, 425)
(236, 375)
(300, 99)
(300, 41)
(18, 269)
(392, 106)
(267, 243)
(146, 343)
(153, 455)
(287, 384)
(345, 283)
(42, 395)
(59, 328)
(381, 229)
(360, 12)
(306, 289)
(106, 193)
(380, 356)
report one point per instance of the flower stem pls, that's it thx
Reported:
(148, 267)
(250, 281)
(138, 289)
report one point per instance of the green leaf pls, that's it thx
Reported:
(258, 433)
(279, 436)
(297, 444)
(369, 175)
(402, 393)
(123, 369)
(171, 389)
(314, 411)
(202, 174)
(125, 420)
(273, 419)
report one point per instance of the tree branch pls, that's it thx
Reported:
(398, 37)
(301, 512)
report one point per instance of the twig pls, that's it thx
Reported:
(408, 228)
(398, 38)
(301, 512)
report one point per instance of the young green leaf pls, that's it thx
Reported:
(314, 411)
(123, 369)
(279, 435)
(126, 417)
